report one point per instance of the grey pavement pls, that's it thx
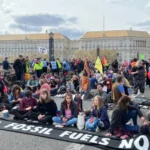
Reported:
(16, 141)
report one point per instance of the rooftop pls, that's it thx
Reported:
(116, 33)
(43, 36)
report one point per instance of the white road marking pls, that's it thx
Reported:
(74, 147)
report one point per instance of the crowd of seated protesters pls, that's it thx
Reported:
(34, 103)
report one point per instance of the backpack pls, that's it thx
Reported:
(91, 124)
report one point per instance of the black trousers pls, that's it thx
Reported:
(44, 69)
(19, 114)
(34, 116)
(38, 73)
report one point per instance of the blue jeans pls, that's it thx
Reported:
(68, 123)
(92, 126)
(131, 115)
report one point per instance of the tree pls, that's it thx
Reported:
(91, 54)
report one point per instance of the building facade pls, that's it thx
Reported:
(28, 45)
(128, 43)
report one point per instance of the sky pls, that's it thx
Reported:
(73, 18)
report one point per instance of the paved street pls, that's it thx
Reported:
(15, 141)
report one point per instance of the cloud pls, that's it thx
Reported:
(43, 19)
(25, 27)
(148, 5)
(143, 23)
(39, 22)
(71, 32)
(120, 1)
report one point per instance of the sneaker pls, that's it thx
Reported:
(143, 96)
(35, 121)
(129, 123)
(97, 129)
(29, 121)
(59, 126)
(82, 97)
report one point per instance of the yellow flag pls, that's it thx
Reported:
(98, 65)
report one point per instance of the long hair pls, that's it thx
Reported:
(14, 88)
(123, 103)
(101, 103)
(48, 99)
(65, 102)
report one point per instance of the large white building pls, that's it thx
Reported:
(127, 42)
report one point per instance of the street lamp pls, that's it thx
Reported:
(51, 46)
(98, 51)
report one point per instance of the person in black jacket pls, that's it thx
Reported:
(4, 102)
(46, 108)
(123, 112)
(19, 68)
(68, 112)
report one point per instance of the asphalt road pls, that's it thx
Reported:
(16, 141)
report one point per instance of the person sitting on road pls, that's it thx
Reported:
(32, 84)
(16, 95)
(68, 112)
(27, 104)
(53, 86)
(118, 89)
(70, 85)
(46, 108)
(102, 94)
(99, 117)
(123, 112)
(4, 102)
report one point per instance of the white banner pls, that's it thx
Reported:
(43, 50)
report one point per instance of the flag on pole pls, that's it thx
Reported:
(86, 66)
(43, 50)
(98, 65)
(104, 61)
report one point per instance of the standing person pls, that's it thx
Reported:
(19, 68)
(84, 84)
(99, 117)
(27, 64)
(68, 112)
(115, 66)
(38, 68)
(46, 108)
(54, 66)
(138, 72)
(45, 65)
(59, 65)
(6, 65)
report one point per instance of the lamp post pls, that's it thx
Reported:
(98, 51)
(51, 46)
